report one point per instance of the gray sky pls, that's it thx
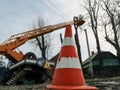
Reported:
(17, 16)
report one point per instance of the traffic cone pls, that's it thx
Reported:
(68, 74)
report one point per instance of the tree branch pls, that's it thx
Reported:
(110, 41)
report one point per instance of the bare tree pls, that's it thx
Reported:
(92, 7)
(42, 41)
(112, 24)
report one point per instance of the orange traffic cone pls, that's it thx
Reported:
(68, 74)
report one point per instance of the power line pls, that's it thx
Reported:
(57, 9)
(51, 9)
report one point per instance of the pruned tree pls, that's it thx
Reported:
(112, 24)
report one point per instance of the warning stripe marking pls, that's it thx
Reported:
(68, 41)
(69, 63)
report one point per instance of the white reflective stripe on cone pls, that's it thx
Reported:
(68, 41)
(69, 63)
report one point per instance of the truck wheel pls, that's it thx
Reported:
(30, 55)
(40, 78)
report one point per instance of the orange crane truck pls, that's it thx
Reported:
(7, 48)
(22, 66)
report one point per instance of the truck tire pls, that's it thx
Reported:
(30, 55)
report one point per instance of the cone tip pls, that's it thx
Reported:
(68, 31)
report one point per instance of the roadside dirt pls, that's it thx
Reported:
(102, 84)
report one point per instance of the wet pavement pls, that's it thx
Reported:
(101, 84)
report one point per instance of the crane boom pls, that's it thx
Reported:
(8, 46)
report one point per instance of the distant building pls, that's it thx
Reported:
(53, 61)
(110, 65)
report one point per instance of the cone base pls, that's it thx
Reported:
(54, 87)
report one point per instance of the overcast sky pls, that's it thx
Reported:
(17, 16)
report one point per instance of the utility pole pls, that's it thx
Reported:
(87, 42)
(77, 41)
(61, 38)
(91, 68)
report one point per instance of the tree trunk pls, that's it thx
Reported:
(42, 47)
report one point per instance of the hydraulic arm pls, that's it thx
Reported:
(8, 47)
